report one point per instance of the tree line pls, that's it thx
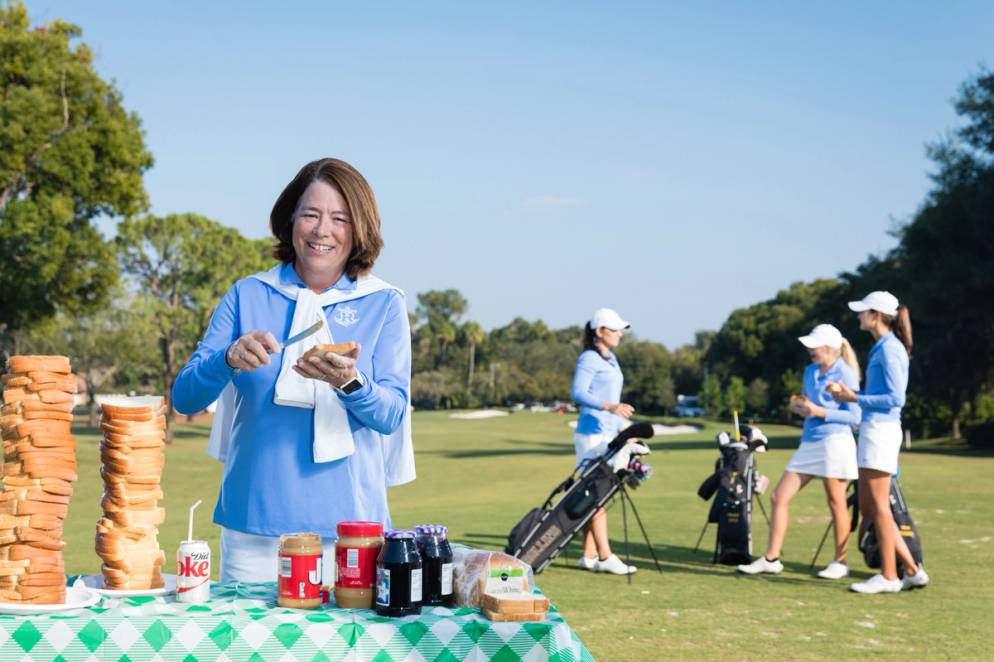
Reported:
(942, 268)
(130, 310)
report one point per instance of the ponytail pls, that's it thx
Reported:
(589, 338)
(849, 356)
(901, 326)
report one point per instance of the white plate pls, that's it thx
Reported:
(78, 596)
(96, 583)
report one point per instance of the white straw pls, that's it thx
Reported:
(189, 531)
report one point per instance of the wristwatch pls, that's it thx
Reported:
(352, 385)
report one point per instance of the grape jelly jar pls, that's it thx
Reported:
(436, 564)
(398, 575)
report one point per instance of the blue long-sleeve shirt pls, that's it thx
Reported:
(597, 380)
(886, 380)
(271, 484)
(839, 416)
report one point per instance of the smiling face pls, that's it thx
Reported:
(322, 235)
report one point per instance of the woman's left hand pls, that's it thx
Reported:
(336, 369)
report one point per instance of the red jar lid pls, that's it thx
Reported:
(360, 529)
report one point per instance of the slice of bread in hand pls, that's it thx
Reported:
(337, 348)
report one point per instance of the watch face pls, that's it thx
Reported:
(350, 386)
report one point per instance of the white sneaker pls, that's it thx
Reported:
(917, 580)
(877, 584)
(588, 563)
(835, 570)
(761, 565)
(615, 566)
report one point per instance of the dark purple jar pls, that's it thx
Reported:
(436, 564)
(398, 575)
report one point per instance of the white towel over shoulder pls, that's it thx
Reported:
(332, 435)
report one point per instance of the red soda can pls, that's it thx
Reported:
(193, 571)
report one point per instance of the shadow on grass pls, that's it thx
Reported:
(957, 449)
(527, 447)
(672, 559)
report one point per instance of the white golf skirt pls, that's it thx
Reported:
(246, 557)
(589, 446)
(879, 445)
(831, 457)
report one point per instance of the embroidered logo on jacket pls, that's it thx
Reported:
(346, 316)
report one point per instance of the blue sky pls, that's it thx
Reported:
(671, 160)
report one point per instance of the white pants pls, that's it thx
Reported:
(589, 446)
(246, 557)
(879, 445)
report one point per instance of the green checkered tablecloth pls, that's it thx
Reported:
(243, 622)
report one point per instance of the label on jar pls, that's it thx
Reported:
(300, 576)
(446, 579)
(355, 566)
(416, 585)
(383, 587)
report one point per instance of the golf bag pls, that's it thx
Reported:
(868, 535)
(733, 485)
(545, 531)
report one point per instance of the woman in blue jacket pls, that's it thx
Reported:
(880, 434)
(306, 441)
(597, 384)
(827, 450)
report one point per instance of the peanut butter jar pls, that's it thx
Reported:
(300, 571)
(356, 550)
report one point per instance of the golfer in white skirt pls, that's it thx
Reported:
(827, 450)
(597, 384)
(880, 435)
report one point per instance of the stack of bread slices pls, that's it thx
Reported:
(132, 452)
(38, 471)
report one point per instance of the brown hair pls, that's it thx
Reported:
(363, 213)
(849, 356)
(589, 338)
(901, 326)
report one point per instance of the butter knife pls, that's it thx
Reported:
(297, 337)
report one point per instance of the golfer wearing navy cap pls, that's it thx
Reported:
(597, 384)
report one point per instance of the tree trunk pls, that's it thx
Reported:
(91, 403)
(472, 365)
(956, 430)
(168, 377)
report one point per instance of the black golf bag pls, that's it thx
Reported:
(544, 531)
(902, 517)
(733, 485)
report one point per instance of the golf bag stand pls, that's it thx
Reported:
(733, 487)
(544, 532)
(852, 503)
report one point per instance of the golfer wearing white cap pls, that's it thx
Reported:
(880, 434)
(597, 384)
(827, 450)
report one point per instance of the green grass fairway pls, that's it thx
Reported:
(481, 476)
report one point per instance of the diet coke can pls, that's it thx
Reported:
(193, 571)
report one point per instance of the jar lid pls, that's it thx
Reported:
(400, 534)
(431, 529)
(360, 528)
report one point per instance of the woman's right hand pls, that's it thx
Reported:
(251, 350)
(622, 409)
